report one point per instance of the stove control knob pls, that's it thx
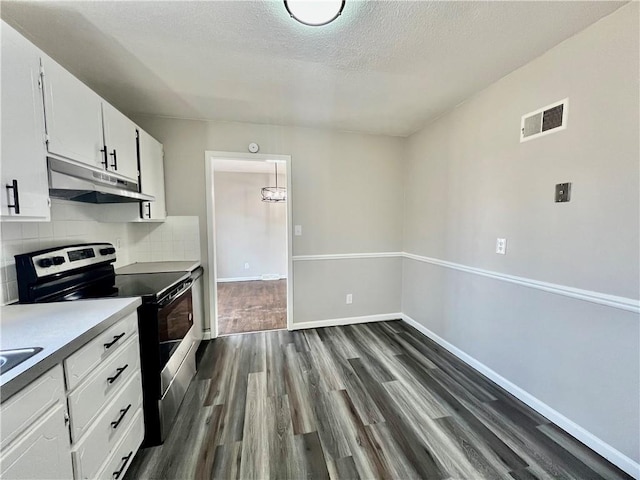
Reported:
(45, 262)
(58, 260)
(107, 251)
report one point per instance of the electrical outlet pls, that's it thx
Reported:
(246, 266)
(349, 298)
(118, 243)
(501, 246)
(297, 230)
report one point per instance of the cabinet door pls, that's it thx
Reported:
(120, 139)
(152, 177)
(42, 453)
(73, 114)
(23, 153)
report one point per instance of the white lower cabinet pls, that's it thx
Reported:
(91, 396)
(92, 430)
(105, 402)
(121, 456)
(108, 429)
(48, 442)
(35, 435)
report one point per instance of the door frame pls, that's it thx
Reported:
(209, 157)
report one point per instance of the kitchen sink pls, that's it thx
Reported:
(13, 358)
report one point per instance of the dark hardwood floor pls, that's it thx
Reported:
(252, 306)
(376, 400)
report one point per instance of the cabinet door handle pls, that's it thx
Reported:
(115, 339)
(149, 210)
(115, 159)
(123, 413)
(16, 196)
(104, 162)
(117, 473)
(119, 372)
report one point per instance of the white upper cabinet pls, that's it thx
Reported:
(23, 166)
(152, 177)
(120, 141)
(74, 116)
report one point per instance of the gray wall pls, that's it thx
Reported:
(469, 180)
(249, 230)
(346, 192)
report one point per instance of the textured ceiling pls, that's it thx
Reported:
(382, 67)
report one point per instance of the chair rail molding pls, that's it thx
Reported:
(622, 303)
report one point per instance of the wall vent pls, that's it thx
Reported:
(543, 121)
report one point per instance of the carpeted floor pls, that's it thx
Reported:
(252, 306)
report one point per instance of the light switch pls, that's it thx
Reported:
(501, 246)
(297, 230)
(563, 192)
(349, 298)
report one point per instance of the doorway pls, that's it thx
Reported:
(249, 226)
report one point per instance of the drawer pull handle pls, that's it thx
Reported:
(119, 372)
(115, 339)
(126, 459)
(123, 412)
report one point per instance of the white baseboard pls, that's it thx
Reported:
(245, 279)
(346, 321)
(237, 279)
(607, 451)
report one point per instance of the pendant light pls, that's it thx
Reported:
(274, 194)
(314, 13)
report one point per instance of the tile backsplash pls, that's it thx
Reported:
(71, 222)
(177, 238)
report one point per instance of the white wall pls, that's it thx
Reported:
(346, 193)
(249, 230)
(468, 180)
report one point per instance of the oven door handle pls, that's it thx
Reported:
(175, 296)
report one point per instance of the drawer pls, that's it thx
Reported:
(107, 430)
(85, 360)
(176, 359)
(29, 404)
(89, 397)
(122, 456)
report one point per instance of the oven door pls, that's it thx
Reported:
(175, 334)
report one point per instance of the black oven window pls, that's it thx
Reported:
(175, 320)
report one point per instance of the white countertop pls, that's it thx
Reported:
(59, 328)
(159, 267)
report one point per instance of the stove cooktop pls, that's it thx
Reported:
(147, 284)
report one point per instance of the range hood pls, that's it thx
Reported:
(83, 183)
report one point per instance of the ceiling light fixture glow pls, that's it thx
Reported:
(314, 12)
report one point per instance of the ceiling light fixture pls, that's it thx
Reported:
(274, 194)
(314, 12)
